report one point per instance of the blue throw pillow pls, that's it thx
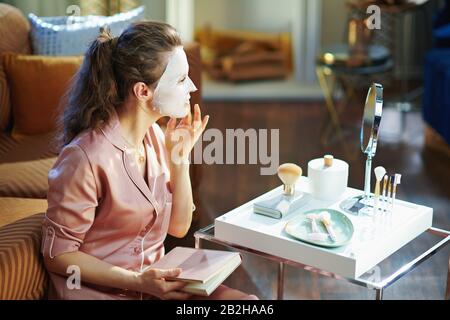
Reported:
(68, 35)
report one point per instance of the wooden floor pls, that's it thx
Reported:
(425, 181)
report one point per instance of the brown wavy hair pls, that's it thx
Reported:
(110, 68)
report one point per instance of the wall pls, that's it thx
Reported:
(296, 16)
(255, 15)
(259, 15)
(334, 21)
(155, 9)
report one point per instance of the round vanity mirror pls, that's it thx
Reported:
(370, 125)
(371, 119)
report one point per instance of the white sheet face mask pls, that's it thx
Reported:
(172, 94)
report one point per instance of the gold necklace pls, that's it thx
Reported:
(138, 152)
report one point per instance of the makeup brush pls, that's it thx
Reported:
(385, 180)
(326, 220)
(390, 187)
(397, 178)
(379, 173)
(289, 174)
(313, 217)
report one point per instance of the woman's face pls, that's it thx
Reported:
(172, 93)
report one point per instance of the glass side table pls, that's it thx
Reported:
(383, 275)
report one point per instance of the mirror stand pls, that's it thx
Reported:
(367, 175)
(362, 204)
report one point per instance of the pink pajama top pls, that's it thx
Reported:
(99, 203)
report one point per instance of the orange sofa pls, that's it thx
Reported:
(24, 164)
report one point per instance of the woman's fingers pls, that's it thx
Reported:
(205, 122)
(172, 123)
(173, 285)
(187, 119)
(197, 113)
(161, 273)
(175, 295)
(197, 124)
(193, 122)
(189, 131)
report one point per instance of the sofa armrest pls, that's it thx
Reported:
(22, 271)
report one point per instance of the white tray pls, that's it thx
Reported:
(371, 242)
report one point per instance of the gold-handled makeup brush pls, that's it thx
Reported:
(397, 178)
(390, 187)
(289, 174)
(289, 200)
(385, 181)
(379, 173)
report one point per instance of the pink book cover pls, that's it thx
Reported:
(198, 265)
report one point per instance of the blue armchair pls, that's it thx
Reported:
(436, 99)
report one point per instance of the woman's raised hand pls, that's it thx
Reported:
(181, 138)
(152, 281)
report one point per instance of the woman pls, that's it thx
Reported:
(120, 184)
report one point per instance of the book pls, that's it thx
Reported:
(203, 269)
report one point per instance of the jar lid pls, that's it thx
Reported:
(328, 160)
(328, 163)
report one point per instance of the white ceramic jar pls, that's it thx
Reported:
(328, 177)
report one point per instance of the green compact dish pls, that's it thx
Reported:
(300, 228)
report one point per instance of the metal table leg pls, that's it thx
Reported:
(280, 289)
(327, 81)
(379, 294)
(447, 290)
(328, 89)
(197, 243)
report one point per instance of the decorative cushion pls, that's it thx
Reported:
(65, 36)
(14, 32)
(5, 105)
(14, 209)
(24, 165)
(37, 84)
(22, 271)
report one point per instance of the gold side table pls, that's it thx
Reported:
(335, 69)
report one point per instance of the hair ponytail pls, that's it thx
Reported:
(110, 68)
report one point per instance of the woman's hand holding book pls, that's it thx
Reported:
(152, 281)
